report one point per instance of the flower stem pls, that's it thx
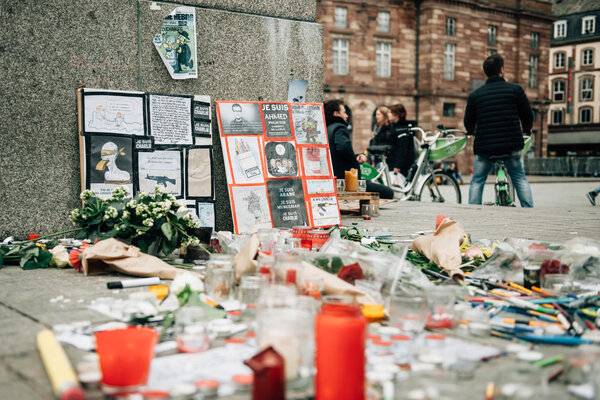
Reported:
(51, 235)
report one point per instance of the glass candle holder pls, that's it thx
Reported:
(219, 283)
(191, 332)
(341, 185)
(408, 312)
(361, 186)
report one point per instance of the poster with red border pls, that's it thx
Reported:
(277, 164)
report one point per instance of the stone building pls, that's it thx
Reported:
(427, 55)
(573, 79)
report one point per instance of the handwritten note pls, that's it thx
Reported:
(171, 119)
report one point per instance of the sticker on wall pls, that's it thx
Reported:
(206, 214)
(176, 43)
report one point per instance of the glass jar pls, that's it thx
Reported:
(318, 238)
(340, 331)
(287, 269)
(220, 261)
(191, 330)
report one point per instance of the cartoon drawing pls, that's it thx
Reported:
(170, 53)
(184, 53)
(108, 158)
(309, 125)
(114, 114)
(281, 159)
(254, 207)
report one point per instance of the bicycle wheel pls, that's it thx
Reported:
(510, 190)
(447, 189)
(503, 199)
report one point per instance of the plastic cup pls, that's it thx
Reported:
(125, 356)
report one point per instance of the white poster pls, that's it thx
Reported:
(325, 211)
(113, 113)
(161, 168)
(245, 159)
(308, 124)
(251, 208)
(176, 43)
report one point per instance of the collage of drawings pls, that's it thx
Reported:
(142, 140)
(278, 165)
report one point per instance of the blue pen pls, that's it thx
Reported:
(564, 340)
(524, 312)
(549, 300)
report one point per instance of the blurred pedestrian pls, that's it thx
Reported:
(592, 195)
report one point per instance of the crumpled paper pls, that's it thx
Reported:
(443, 247)
(111, 255)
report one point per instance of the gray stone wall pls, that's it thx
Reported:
(247, 51)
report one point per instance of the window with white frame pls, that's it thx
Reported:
(588, 25)
(449, 61)
(560, 29)
(535, 40)
(559, 60)
(587, 88)
(558, 91)
(340, 56)
(450, 26)
(533, 65)
(383, 21)
(557, 117)
(585, 115)
(383, 59)
(340, 17)
(587, 57)
(492, 34)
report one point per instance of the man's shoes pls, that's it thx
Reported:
(591, 197)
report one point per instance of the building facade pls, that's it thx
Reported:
(573, 79)
(427, 55)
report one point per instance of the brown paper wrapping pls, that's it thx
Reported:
(244, 259)
(443, 247)
(111, 255)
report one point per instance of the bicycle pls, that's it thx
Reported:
(503, 187)
(423, 183)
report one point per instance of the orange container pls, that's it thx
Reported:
(125, 355)
(351, 180)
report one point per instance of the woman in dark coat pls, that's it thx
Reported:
(402, 154)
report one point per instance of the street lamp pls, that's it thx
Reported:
(540, 106)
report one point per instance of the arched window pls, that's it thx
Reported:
(585, 115)
(558, 91)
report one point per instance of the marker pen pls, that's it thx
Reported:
(133, 283)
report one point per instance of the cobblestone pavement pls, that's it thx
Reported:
(561, 212)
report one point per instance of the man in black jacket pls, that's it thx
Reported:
(497, 114)
(343, 157)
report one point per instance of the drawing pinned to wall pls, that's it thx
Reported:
(281, 159)
(315, 161)
(319, 186)
(109, 112)
(206, 214)
(176, 43)
(251, 208)
(110, 163)
(325, 211)
(199, 173)
(171, 119)
(161, 168)
(297, 91)
(309, 126)
(240, 118)
(245, 159)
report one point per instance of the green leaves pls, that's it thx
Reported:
(28, 255)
